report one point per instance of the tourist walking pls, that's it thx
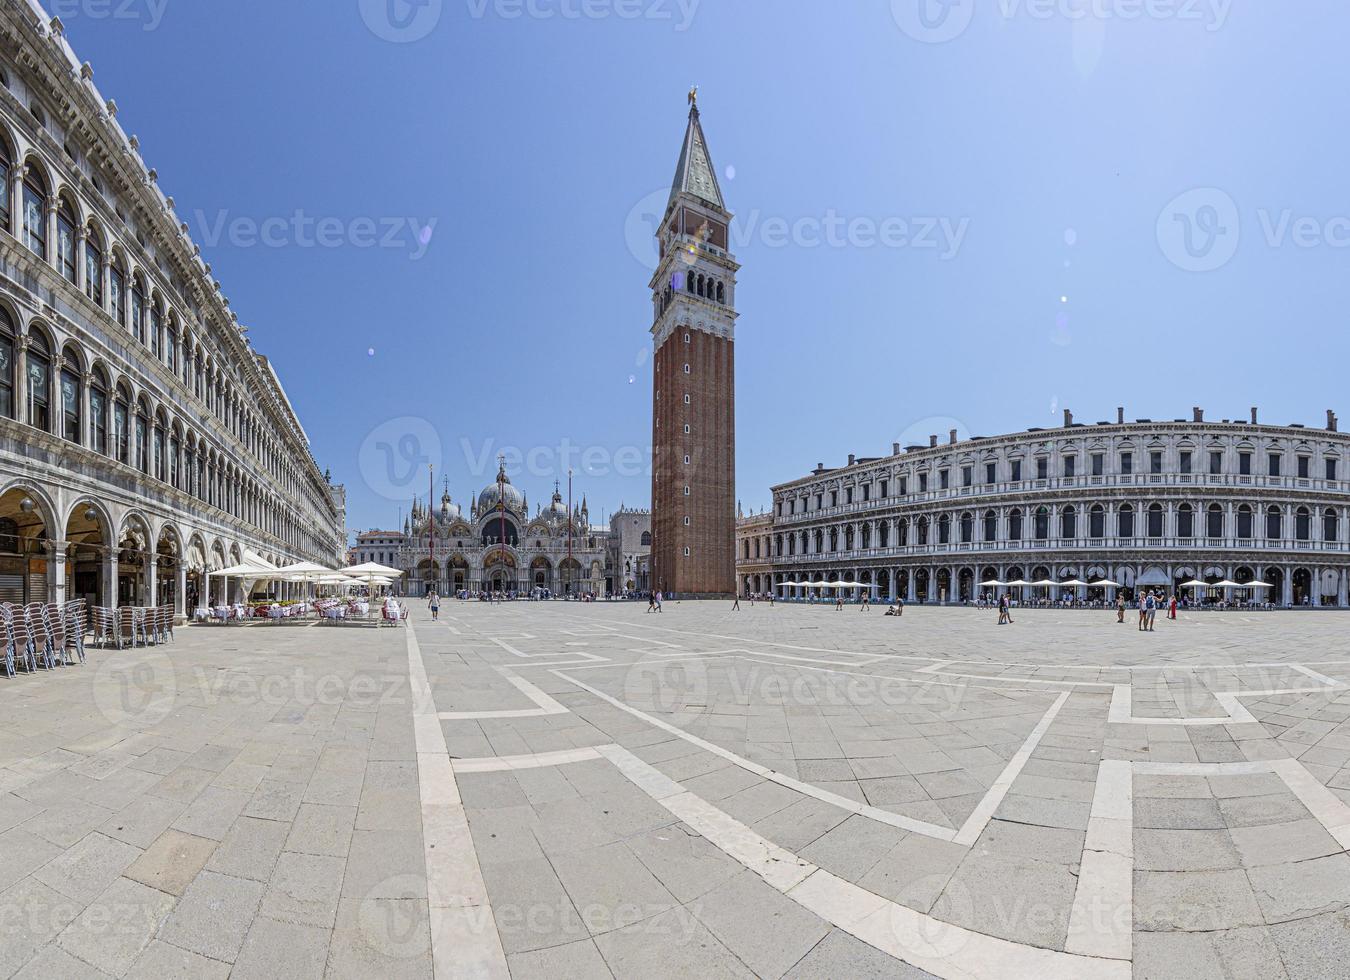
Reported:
(435, 603)
(658, 601)
(1143, 611)
(736, 606)
(1120, 608)
(1150, 611)
(1004, 609)
(1172, 607)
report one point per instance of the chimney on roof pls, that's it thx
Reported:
(1120, 416)
(1253, 415)
(952, 436)
(1068, 418)
(852, 459)
(932, 442)
(1331, 421)
(895, 449)
(1198, 414)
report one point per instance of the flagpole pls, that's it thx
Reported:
(431, 522)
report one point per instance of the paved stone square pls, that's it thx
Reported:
(559, 789)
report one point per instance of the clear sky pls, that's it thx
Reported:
(1146, 206)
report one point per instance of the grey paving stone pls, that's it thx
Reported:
(115, 928)
(1298, 891)
(611, 887)
(841, 955)
(320, 829)
(672, 944)
(378, 937)
(85, 870)
(532, 908)
(250, 849)
(853, 847)
(282, 949)
(580, 960)
(275, 799)
(686, 863)
(1260, 811)
(32, 914)
(1178, 814)
(213, 916)
(172, 861)
(162, 960)
(1194, 901)
(915, 872)
(213, 812)
(65, 823)
(53, 961)
(1316, 947)
(1184, 850)
(383, 865)
(765, 929)
(1053, 844)
(1283, 843)
(141, 822)
(1011, 896)
(305, 889)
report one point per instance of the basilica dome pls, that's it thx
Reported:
(493, 493)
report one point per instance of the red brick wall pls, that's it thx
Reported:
(710, 474)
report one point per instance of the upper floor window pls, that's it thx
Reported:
(1098, 464)
(7, 365)
(1216, 463)
(1042, 468)
(1304, 463)
(70, 405)
(1155, 461)
(1127, 462)
(1331, 468)
(39, 383)
(65, 240)
(93, 268)
(1185, 461)
(967, 475)
(944, 479)
(990, 472)
(1070, 466)
(1016, 470)
(923, 483)
(35, 213)
(1097, 521)
(6, 168)
(138, 309)
(1274, 460)
(1245, 464)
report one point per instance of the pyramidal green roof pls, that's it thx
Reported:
(695, 174)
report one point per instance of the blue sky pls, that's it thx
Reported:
(1144, 206)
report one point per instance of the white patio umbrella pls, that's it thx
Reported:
(1074, 582)
(370, 572)
(245, 571)
(993, 583)
(1104, 583)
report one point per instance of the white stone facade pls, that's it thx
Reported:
(1147, 504)
(142, 440)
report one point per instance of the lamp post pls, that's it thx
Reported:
(569, 530)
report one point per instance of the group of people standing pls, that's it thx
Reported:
(1148, 603)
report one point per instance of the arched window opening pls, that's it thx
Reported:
(1330, 525)
(70, 405)
(1244, 522)
(93, 267)
(7, 365)
(35, 213)
(1042, 523)
(1068, 523)
(1273, 529)
(65, 240)
(1185, 521)
(1097, 521)
(1155, 521)
(1125, 522)
(39, 383)
(1302, 524)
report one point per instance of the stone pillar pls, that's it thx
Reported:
(108, 570)
(80, 243)
(180, 609)
(150, 592)
(15, 192)
(52, 244)
(56, 573)
(21, 373)
(911, 589)
(1340, 588)
(86, 414)
(1287, 592)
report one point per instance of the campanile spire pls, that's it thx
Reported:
(694, 401)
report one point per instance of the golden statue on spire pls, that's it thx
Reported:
(693, 96)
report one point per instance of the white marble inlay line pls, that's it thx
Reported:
(464, 936)
(930, 944)
(546, 704)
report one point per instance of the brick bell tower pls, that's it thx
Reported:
(694, 383)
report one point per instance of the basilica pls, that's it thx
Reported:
(500, 546)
